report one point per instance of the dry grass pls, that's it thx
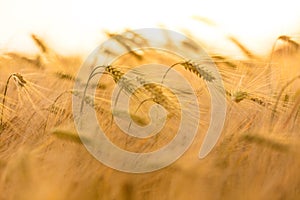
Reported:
(257, 157)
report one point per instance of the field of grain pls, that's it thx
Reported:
(257, 156)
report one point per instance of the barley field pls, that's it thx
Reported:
(256, 157)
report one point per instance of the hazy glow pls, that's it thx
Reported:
(76, 26)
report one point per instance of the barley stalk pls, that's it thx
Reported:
(125, 42)
(70, 136)
(65, 76)
(130, 86)
(116, 74)
(267, 142)
(195, 68)
(284, 38)
(156, 93)
(40, 44)
(244, 49)
(239, 96)
(222, 59)
(205, 20)
(289, 41)
(20, 81)
(279, 96)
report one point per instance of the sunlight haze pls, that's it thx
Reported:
(77, 26)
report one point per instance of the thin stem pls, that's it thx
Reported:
(92, 74)
(4, 95)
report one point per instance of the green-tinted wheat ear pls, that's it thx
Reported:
(239, 96)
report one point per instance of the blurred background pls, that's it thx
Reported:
(77, 26)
